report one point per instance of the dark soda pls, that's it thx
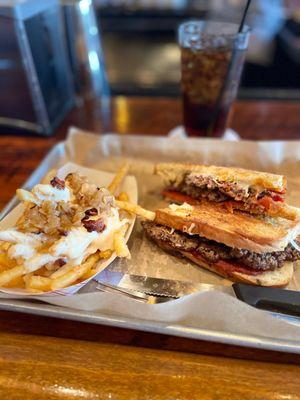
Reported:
(210, 78)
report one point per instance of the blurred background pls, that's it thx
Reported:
(142, 57)
(58, 53)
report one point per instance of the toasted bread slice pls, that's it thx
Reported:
(174, 173)
(236, 229)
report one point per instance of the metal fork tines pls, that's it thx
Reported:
(129, 293)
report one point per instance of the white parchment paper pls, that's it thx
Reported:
(207, 310)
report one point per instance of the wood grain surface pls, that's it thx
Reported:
(48, 368)
(44, 358)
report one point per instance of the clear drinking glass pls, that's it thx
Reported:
(212, 59)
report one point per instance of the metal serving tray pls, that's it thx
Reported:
(57, 156)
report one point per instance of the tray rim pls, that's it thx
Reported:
(43, 309)
(48, 310)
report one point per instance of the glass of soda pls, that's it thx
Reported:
(212, 59)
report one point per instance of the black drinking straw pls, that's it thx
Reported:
(244, 17)
(222, 91)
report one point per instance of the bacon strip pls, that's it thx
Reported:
(228, 267)
(180, 197)
(266, 201)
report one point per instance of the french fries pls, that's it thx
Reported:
(5, 262)
(88, 274)
(4, 246)
(38, 283)
(26, 259)
(123, 197)
(25, 195)
(76, 273)
(105, 254)
(136, 209)
(68, 268)
(120, 245)
(115, 183)
(61, 271)
(18, 276)
(16, 283)
(10, 274)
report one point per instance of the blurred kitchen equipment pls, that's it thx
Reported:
(84, 47)
(36, 83)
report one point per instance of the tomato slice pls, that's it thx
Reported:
(265, 201)
(277, 197)
(283, 191)
(229, 205)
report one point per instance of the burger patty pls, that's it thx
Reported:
(213, 251)
(203, 193)
(198, 186)
(178, 240)
(221, 190)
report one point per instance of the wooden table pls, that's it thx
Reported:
(43, 358)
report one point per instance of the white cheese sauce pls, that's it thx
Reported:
(38, 261)
(80, 243)
(183, 207)
(25, 251)
(74, 244)
(14, 236)
(48, 192)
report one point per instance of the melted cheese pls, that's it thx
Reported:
(77, 245)
(48, 192)
(80, 243)
(74, 244)
(14, 236)
(25, 251)
(183, 207)
(37, 261)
